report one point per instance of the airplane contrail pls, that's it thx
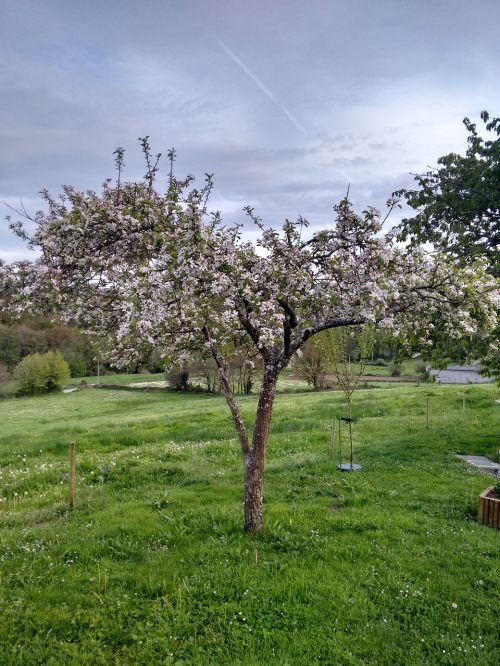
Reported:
(264, 89)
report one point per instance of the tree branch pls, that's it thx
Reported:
(289, 325)
(253, 331)
(230, 399)
(289, 311)
(307, 333)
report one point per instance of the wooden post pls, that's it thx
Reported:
(340, 446)
(427, 413)
(72, 464)
(332, 440)
(463, 403)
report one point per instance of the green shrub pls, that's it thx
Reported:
(42, 373)
(395, 369)
(78, 367)
(178, 378)
(421, 370)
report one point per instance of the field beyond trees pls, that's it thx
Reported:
(385, 566)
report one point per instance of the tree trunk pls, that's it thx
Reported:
(254, 460)
(253, 503)
(253, 456)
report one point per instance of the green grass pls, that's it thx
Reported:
(407, 369)
(118, 379)
(387, 566)
(285, 383)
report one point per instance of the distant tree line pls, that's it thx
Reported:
(38, 337)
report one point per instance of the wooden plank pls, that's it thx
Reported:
(496, 518)
(489, 509)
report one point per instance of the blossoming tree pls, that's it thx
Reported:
(156, 269)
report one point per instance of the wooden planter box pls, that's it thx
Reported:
(489, 508)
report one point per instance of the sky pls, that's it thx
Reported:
(288, 103)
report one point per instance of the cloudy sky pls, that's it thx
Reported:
(286, 102)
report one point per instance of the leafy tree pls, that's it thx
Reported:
(154, 361)
(156, 269)
(37, 335)
(458, 203)
(384, 346)
(77, 367)
(311, 365)
(458, 206)
(10, 347)
(74, 346)
(42, 373)
(19, 341)
(337, 350)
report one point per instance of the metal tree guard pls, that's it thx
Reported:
(350, 466)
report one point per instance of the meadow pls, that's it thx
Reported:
(384, 566)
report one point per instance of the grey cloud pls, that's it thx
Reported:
(379, 89)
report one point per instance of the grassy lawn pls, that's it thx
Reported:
(407, 369)
(285, 383)
(385, 566)
(118, 379)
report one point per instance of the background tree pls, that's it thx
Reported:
(5, 376)
(178, 378)
(458, 206)
(458, 203)
(36, 335)
(384, 346)
(241, 366)
(346, 363)
(157, 269)
(311, 365)
(210, 374)
(16, 342)
(75, 347)
(154, 362)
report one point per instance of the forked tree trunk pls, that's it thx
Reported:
(254, 455)
(254, 460)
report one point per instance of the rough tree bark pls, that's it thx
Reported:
(254, 458)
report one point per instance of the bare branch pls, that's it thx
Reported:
(230, 399)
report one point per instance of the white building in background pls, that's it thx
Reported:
(459, 374)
